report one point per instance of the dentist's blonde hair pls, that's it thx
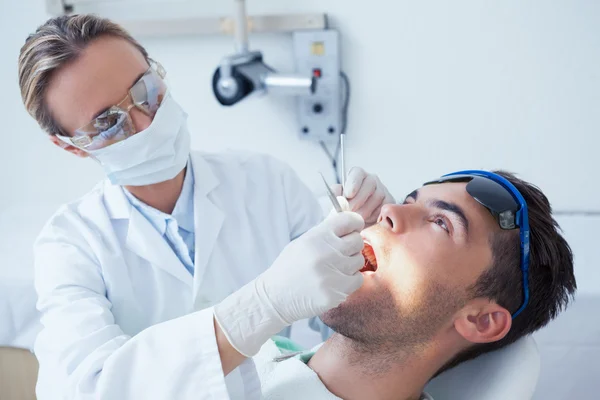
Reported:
(55, 43)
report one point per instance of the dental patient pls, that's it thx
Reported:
(444, 282)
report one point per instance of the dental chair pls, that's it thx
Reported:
(510, 373)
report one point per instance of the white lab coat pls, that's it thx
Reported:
(107, 282)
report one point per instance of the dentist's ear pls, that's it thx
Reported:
(70, 148)
(483, 321)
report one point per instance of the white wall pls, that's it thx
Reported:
(437, 86)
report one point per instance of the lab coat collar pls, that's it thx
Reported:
(209, 219)
(116, 202)
(204, 178)
(184, 208)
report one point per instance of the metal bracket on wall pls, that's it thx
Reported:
(184, 25)
(225, 25)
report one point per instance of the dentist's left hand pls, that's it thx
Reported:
(365, 194)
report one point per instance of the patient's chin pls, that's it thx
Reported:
(376, 319)
(365, 316)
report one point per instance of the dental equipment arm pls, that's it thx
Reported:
(245, 73)
(241, 27)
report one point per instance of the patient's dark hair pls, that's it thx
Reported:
(551, 279)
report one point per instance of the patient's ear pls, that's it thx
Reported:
(483, 321)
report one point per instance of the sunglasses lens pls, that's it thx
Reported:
(492, 195)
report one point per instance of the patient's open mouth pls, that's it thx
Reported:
(370, 259)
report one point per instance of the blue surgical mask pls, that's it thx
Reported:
(153, 155)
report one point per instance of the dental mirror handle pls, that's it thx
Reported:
(343, 161)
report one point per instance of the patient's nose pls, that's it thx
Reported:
(391, 217)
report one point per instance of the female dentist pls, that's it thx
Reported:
(166, 277)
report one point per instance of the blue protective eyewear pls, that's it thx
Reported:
(507, 206)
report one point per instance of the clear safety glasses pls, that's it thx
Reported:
(507, 206)
(115, 124)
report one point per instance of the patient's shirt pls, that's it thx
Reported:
(291, 379)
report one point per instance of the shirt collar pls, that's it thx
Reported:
(183, 212)
(155, 217)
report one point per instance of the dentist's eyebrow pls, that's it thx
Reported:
(412, 195)
(454, 209)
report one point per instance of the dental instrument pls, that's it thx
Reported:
(331, 195)
(343, 160)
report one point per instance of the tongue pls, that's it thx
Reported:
(367, 267)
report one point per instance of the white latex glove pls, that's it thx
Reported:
(365, 193)
(313, 274)
(343, 203)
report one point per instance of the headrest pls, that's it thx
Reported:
(509, 373)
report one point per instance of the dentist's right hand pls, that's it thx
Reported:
(312, 275)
